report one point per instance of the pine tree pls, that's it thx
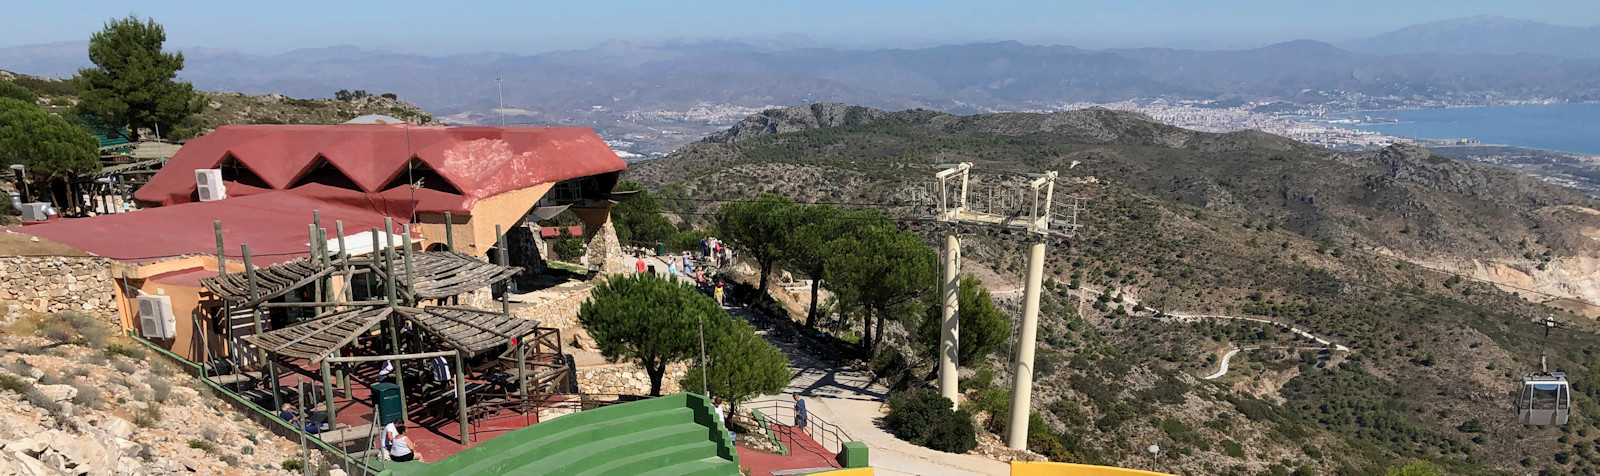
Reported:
(45, 143)
(740, 364)
(133, 82)
(648, 320)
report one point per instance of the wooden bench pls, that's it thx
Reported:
(235, 379)
(346, 434)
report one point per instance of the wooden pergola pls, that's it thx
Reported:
(409, 278)
(466, 332)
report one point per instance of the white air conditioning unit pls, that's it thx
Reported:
(155, 317)
(209, 184)
(36, 211)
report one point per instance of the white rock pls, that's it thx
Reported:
(28, 446)
(58, 393)
(127, 449)
(130, 467)
(117, 427)
(23, 465)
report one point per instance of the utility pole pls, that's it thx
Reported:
(502, 94)
(950, 326)
(1022, 393)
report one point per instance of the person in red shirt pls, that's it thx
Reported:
(640, 265)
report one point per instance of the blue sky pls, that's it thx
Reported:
(436, 27)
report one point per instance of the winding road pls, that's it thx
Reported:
(1224, 370)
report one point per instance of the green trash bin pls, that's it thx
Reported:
(661, 249)
(386, 399)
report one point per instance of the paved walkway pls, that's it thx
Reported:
(853, 402)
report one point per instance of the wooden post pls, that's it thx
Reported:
(449, 232)
(255, 315)
(461, 396)
(349, 295)
(327, 390)
(505, 289)
(394, 318)
(522, 365)
(227, 321)
(410, 274)
(316, 257)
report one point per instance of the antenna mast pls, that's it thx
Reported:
(502, 94)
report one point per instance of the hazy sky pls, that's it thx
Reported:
(437, 27)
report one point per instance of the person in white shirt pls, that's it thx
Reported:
(398, 445)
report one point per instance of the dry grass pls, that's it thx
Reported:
(17, 244)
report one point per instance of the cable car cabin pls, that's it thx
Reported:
(1546, 400)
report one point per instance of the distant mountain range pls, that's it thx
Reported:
(1484, 35)
(673, 91)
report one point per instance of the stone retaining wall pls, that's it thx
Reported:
(627, 379)
(56, 284)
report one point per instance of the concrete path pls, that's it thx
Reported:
(853, 403)
(1224, 370)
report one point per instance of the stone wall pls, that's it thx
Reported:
(627, 379)
(55, 284)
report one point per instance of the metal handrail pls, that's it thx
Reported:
(830, 436)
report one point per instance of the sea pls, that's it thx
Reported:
(1561, 127)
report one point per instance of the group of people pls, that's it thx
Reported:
(715, 251)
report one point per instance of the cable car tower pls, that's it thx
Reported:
(1546, 397)
(1028, 216)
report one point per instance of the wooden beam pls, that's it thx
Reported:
(374, 358)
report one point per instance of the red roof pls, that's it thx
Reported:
(554, 231)
(273, 223)
(479, 162)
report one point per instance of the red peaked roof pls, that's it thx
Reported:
(273, 223)
(479, 162)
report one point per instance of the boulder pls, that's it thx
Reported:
(117, 427)
(58, 393)
(22, 465)
(28, 446)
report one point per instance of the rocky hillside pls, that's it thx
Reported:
(1188, 236)
(1489, 223)
(223, 108)
(75, 398)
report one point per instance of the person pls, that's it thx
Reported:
(688, 267)
(311, 424)
(399, 444)
(800, 415)
(287, 414)
(705, 246)
(716, 404)
(672, 268)
(718, 292)
(639, 264)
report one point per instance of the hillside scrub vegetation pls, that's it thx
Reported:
(1182, 226)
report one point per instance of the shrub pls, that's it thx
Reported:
(247, 450)
(925, 418)
(132, 352)
(39, 399)
(230, 460)
(293, 465)
(568, 248)
(148, 417)
(125, 366)
(19, 367)
(159, 389)
(1471, 426)
(14, 384)
(88, 396)
(203, 445)
(1232, 448)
